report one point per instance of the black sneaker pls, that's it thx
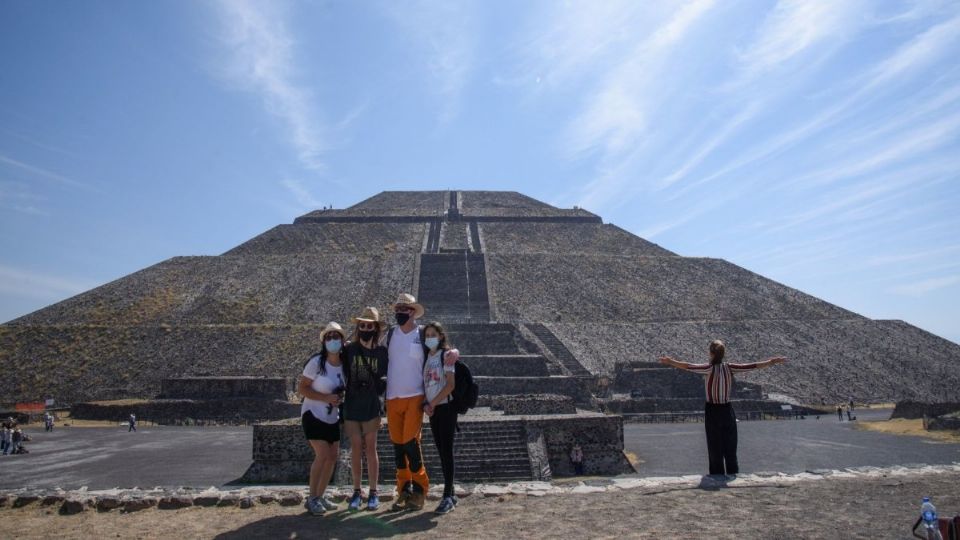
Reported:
(446, 506)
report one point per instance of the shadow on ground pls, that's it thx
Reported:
(340, 524)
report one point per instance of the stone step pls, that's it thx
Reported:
(506, 365)
(576, 387)
(558, 349)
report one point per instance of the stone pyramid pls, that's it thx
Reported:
(546, 300)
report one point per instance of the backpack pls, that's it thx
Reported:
(465, 390)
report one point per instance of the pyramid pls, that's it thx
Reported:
(546, 300)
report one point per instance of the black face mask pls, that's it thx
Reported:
(402, 318)
(366, 335)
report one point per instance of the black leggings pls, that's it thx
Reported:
(443, 425)
(721, 424)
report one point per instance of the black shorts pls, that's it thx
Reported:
(318, 430)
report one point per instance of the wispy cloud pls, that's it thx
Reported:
(40, 171)
(302, 195)
(261, 52)
(919, 53)
(444, 36)
(920, 288)
(24, 283)
(794, 27)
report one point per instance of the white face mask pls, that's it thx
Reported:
(334, 345)
(432, 342)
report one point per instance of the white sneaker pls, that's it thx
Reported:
(315, 507)
(328, 504)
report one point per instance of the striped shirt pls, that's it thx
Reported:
(720, 379)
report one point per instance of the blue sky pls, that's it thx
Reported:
(815, 143)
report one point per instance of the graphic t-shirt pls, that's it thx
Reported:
(404, 374)
(363, 368)
(435, 376)
(324, 383)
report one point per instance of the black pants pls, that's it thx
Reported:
(443, 425)
(721, 425)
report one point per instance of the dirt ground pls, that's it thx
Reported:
(883, 507)
(914, 427)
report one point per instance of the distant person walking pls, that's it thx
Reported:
(5, 435)
(365, 365)
(840, 413)
(16, 439)
(132, 421)
(720, 420)
(322, 387)
(439, 380)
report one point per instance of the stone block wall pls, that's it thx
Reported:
(576, 387)
(164, 411)
(527, 404)
(225, 387)
(600, 437)
(919, 409)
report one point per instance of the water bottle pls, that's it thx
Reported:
(929, 513)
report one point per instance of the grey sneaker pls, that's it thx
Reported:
(315, 507)
(355, 501)
(446, 506)
(328, 504)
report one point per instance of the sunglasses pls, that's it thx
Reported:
(403, 310)
(366, 325)
(332, 336)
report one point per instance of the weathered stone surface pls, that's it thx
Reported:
(71, 507)
(135, 504)
(229, 499)
(919, 409)
(266, 498)
(52, 499)
(174, 502)
(105, 503)
(206, 500)
(290, 499)
(25, 499)
(245, 502)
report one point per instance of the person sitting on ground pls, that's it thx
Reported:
(719, 417)
(322, 387)
(365, 364)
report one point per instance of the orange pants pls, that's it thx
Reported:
(405, 420)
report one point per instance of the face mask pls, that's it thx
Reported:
(432, 342)
(402, 318)
(366, 335)
(334, 345)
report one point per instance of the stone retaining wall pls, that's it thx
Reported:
(205, 388)
(656, 405)
(178, 410)
(527, 404)
(600, 437)
(919, 409)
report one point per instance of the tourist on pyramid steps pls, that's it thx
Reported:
(406, 353)
(322, 387)
(719, 418)
(365, 365)
(438, 383)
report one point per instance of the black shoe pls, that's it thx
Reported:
(446, 506)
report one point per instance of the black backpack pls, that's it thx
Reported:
(465, 390)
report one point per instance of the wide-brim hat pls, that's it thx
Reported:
(369, 314)
(332, 327)
(409, 301)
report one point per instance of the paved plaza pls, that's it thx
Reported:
(107, 457)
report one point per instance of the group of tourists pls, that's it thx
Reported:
(413, 367)
(12, 439)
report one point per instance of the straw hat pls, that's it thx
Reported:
(370, 314)
(332, 327)
(409, 301)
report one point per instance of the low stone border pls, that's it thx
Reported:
(136, 499)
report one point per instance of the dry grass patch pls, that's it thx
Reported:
(913, 427)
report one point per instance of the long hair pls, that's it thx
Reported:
(323, 354)
(441, 334)
(717, 350)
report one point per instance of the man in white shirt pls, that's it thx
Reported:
(405, 401)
